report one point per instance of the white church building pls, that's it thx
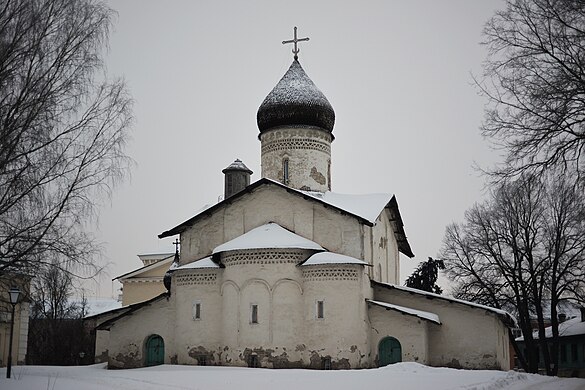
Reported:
(286, 273)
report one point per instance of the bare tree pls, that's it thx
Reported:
(535, 84)
(522, 249)
(56, 331)
(63, 128)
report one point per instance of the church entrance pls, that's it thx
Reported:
(389, 351)
(155, 350)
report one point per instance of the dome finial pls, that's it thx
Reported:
(295, 40)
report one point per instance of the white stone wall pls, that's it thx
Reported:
(288, 332)
(129, 334)
(308, 151)
(468, 337)
(328, 227)
(412, 332)
(196, 337)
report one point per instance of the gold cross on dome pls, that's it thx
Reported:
(295, 40)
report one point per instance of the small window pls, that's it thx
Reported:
(574, 353)
(326, 363)
(320, 309)
(253, 314)
(285, 171)
(253, 361)
(197, 310)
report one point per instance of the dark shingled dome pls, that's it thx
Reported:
(295, 101)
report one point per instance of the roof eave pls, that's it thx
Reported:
(191, 221)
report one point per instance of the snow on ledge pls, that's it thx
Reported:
(572, 327)
(425, 315)
(205, 262)
(271, 236)
(332, 258)
(500, 312)
(367, 206)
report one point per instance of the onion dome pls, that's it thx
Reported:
(295, 101)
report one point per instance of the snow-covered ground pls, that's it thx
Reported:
(402, 376)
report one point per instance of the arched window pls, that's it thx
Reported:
(285, 171)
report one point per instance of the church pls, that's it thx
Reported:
(286, 273)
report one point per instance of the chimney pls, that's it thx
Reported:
(237, 177)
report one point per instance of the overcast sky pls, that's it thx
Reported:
(397, 73)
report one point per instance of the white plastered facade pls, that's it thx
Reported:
(262, 306)
(287, 331)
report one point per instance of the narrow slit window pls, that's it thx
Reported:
(197, 310)
(285, 171)
(320, 309)
(254, 314)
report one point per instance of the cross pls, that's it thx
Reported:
(295, 40)
(176, 244)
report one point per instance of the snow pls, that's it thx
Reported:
(237, 165)
(270, 235)
(572, 327)
(418, 313)
(429, 294)
(367, 206)
(100, 305)
(332, 258)
(205, 262)
(403, 376)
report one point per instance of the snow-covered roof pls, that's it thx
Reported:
(96, 306)
(205, 262)
(504, 314)
(364, 207)
(332, 258)
(572, 327)
(425, 315)
(155, 256)
(237, 165)
(270, 235)
(367, 206)
(146, 268)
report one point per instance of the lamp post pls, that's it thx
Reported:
(14, 293)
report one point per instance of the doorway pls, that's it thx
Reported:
(389, 351)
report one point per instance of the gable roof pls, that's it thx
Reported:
(361, 207)
(271, 235)
(425, 315)
(127, 310)
(502, 314)
(146, 268)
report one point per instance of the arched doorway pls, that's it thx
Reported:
(155, 350)
(389, 351)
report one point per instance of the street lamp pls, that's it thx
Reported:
(14, 293)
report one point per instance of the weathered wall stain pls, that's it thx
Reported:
(317, 176)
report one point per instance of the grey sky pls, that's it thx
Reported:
(398, 74)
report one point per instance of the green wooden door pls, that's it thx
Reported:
(389, 351)
(155, 350)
